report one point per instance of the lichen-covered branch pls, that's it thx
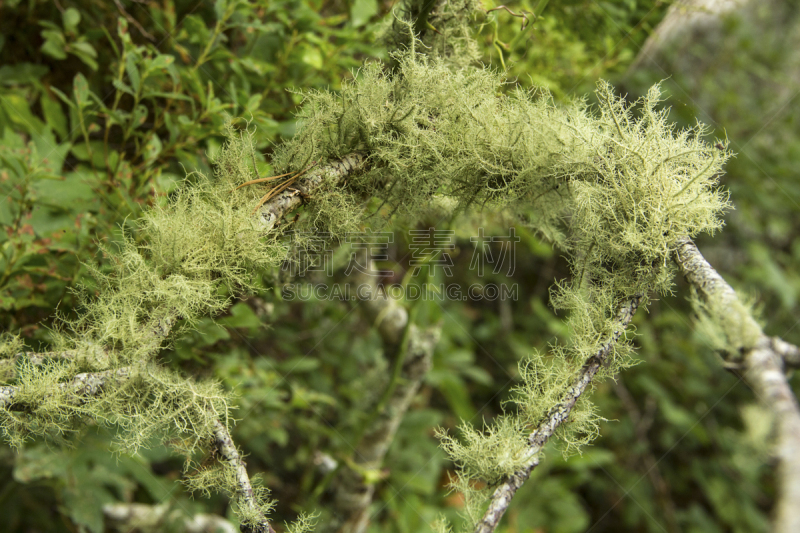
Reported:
(246, 497)
(789, 352)
(86, 386)
(158, 399)
(760, 358)
(330, 174)
(559, 414)
(83, 386)
(384, 313)
(413, 347)
(355, 486)
(139, 516)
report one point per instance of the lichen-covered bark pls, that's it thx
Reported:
(762, 366)
(353, 492)
(789, 352)
(84, 385)
(139, 516)
(91, 384)
(228, 453)
(501, 498)
(331, 174)
(384, 313)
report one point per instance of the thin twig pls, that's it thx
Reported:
(147, 35)
(227, 451)
(136, 516)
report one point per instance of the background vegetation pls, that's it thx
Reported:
(104, 107)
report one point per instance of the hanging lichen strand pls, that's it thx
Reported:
(615, 189)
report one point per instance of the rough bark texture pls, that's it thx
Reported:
(502, 496)
(763, 371)
(228, 453)
(331, 174)
(789, 352)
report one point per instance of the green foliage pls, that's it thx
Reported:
(566, 46)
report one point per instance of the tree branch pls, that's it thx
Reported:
(332, 173)
(90, 384)
(413, 347)
(227, 452)
(79, 388)
(789, 352)
(139, 516)
(763, 365)
(558, 415)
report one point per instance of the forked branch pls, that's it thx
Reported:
(762, 364)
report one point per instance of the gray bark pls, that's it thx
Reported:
(763, 370)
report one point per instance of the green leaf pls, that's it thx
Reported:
(124, 87)
(63, 97)
(36, 463)
(361, 11)
(455, 392)
(173, 96)
(22, 73)
(83, 504)
(242, 316)
(19, 112)
(139, 115)
(85, 52)
(312, 57)
(54, 44)
(133, 72)
(71, 19)
(152, 149)
(161, 61)
(81, 89)
(219, 8)
(122, 31)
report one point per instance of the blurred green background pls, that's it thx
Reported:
(105, 107)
